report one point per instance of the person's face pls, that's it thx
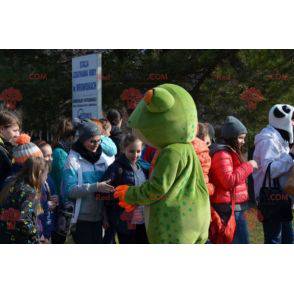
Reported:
(107, 132)
(120, 123)
(92, 144)
(10, 133)
(47, 152)
(207, 140)
(241, 140)
(133, 151)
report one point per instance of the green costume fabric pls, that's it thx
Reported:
(176, 197)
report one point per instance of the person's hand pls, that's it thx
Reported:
(52, 205)
(43, 240)
(253, 163)
(120, 192)
(55, 199)
(105, 224)
(104, 187)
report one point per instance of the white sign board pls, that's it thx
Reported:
(86, 86)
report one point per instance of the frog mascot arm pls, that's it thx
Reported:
(175, 197)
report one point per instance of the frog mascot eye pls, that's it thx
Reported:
(159, 100)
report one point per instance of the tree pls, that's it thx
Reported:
(218, 80)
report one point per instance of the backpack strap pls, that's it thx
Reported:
(267, 175)
(79, 200)
(233, 200)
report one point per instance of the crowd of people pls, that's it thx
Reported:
(62, 192)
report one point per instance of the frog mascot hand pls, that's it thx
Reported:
(175, 197)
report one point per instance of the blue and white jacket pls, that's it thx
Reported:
(79, 183)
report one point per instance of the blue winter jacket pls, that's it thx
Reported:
(77, 167)
(47, 218)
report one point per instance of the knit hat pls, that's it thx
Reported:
(25, 149)
(232, 128)
(86, 130)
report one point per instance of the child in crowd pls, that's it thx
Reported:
(130, 227)
(201, 144)
(116, 134)
(49, 199)
(108, 146)
(9, 132)
(64, 138)
(204, 133)
(229, 173)
(106, 127)
(26, 149)
(20, 203)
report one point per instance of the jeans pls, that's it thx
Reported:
(241, 234)
(136, 236)
(88, 232)
(278, 232)
(57, 238)
(108, 237)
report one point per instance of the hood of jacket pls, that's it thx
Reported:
(270, 133)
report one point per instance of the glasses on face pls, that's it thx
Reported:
(95, 142)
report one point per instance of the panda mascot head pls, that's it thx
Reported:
(280, 117)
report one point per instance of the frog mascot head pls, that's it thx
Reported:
(166, 115)
(175, 197)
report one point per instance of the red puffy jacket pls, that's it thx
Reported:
(228, 173)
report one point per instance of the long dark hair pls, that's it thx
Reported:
(233, 143)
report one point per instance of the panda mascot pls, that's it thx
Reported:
(274, 146)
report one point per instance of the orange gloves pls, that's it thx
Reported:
(120, 192)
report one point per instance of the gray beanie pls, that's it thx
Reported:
(232, 128)
(86, 130)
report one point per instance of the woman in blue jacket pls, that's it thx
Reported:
(82, 179)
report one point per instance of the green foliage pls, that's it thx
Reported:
(215, 78)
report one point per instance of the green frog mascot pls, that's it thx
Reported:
(176, 200)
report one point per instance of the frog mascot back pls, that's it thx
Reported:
(175, 197)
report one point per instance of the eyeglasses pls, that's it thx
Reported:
(95, 142)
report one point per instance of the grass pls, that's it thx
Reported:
(254, 226)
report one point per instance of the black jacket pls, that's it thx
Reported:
(116, 136)
(121, 173)
(5, 160)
